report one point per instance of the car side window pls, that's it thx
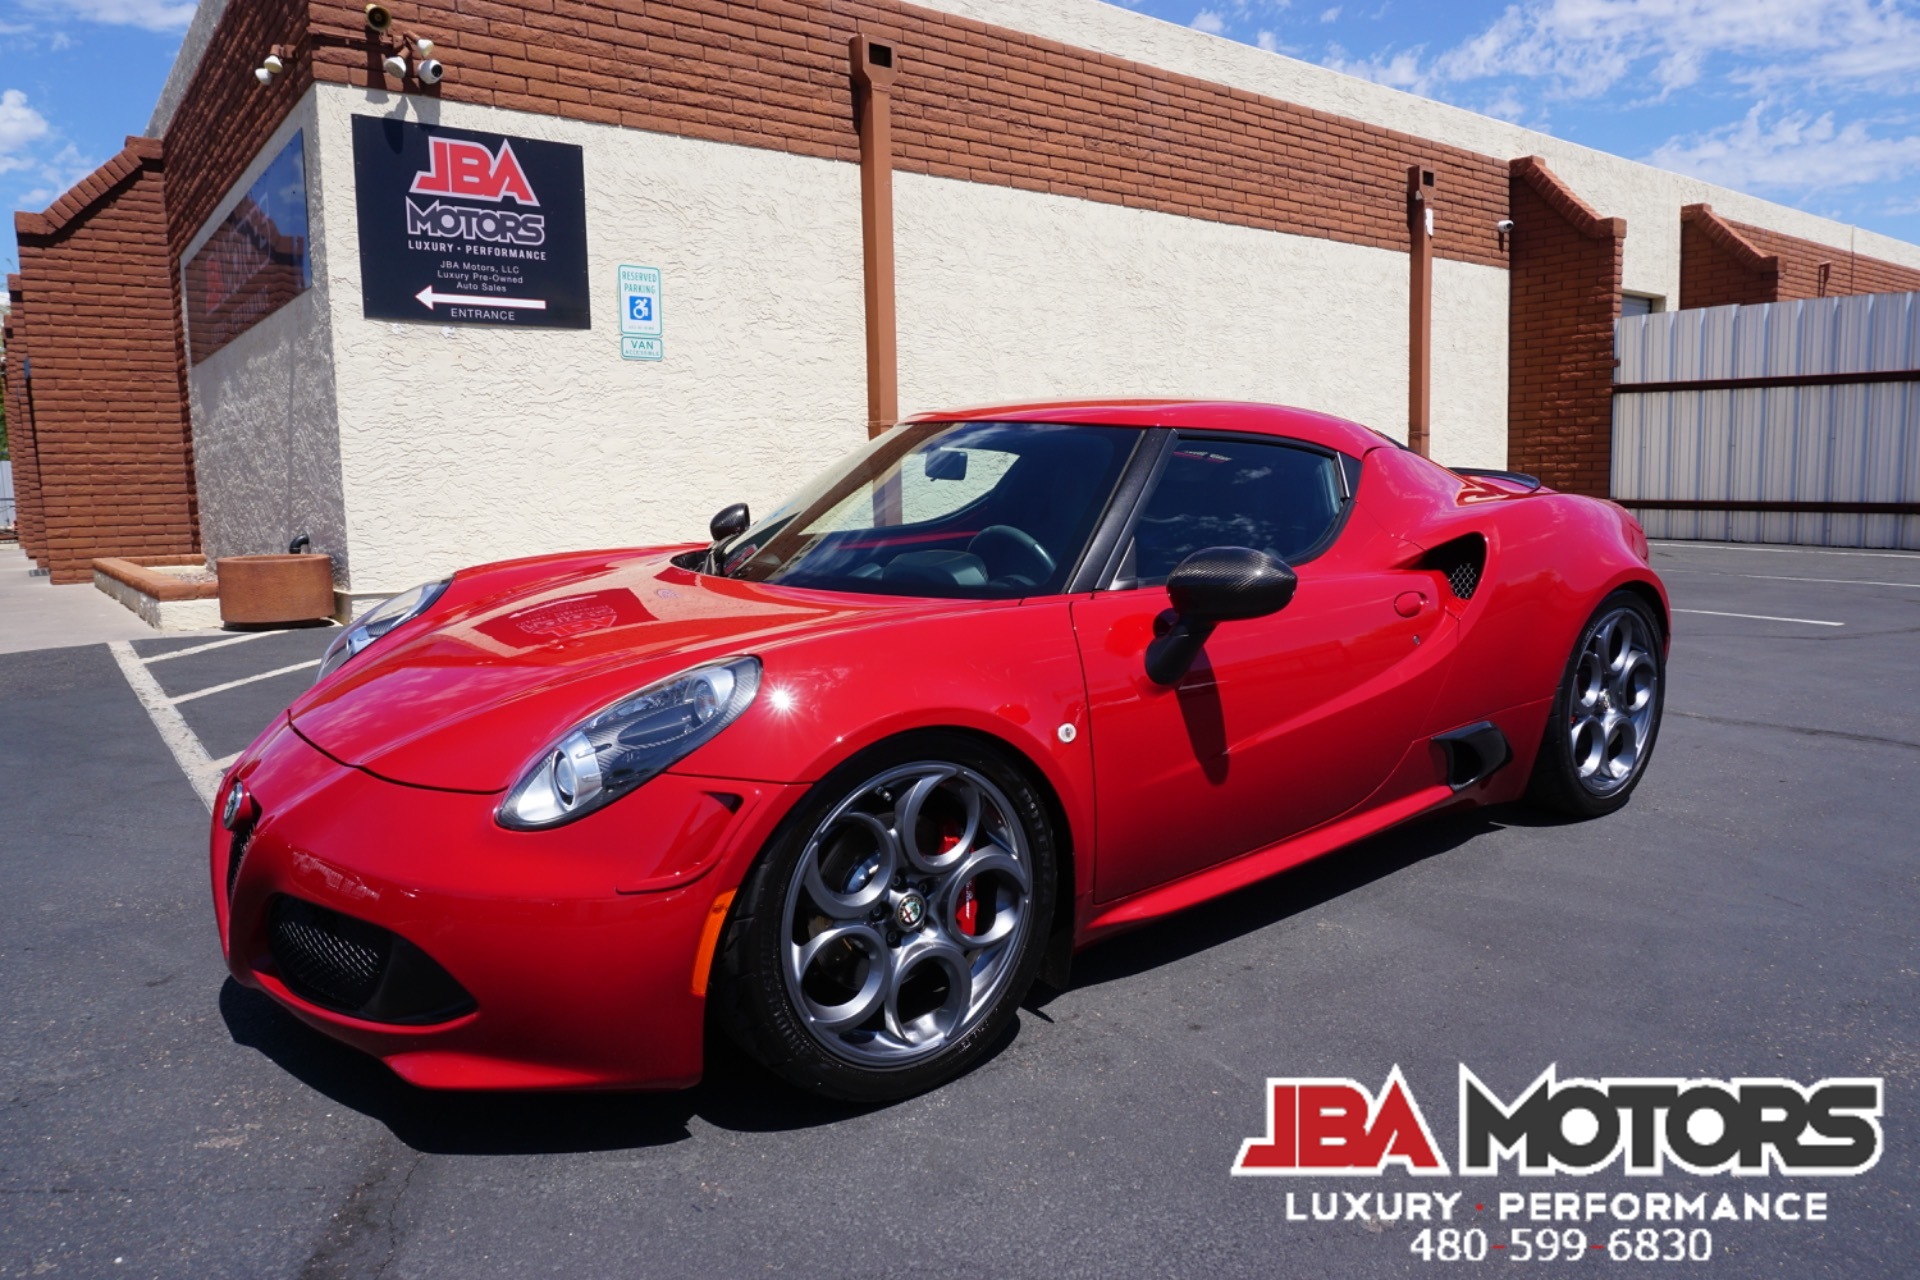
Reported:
(1273, 497)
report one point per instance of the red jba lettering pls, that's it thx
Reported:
(1319, 1127)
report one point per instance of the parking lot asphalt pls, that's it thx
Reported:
(1755, 911)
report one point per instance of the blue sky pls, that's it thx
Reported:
(1814, 103)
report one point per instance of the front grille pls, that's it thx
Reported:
(333, 960)
(354, 967)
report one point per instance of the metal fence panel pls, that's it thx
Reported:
(1838, 443)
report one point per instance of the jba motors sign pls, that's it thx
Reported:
(469, 228)
(1748, 1126)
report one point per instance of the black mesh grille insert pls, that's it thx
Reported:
(236, 853)
(332, 960)
(351, 966)
(1461, 561)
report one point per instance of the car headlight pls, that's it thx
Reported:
(376, 622)
(615, 750)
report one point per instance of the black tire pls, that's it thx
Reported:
(761, 994)
(1572, 776)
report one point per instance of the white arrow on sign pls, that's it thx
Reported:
(428, 298)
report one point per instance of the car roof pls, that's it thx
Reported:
(1195, 415)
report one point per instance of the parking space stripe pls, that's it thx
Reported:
(235, 684)
(1661, 544)
(1845, 582)
(202, 648)
(1762, 617)
(181, 741)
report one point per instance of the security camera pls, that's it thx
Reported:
(263, 75)
(422, 46)
(1504, 226)
(273, 64)
(378, 19)
(430, 71)
(395, 66)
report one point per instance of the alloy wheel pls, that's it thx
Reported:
(906, 912)
(1610, 714)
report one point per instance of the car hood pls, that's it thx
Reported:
(513, 657)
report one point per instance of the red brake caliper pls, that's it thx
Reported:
(967, 914)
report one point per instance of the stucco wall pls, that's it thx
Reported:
(1648, 198)
(265, 446)
(1005, 294)
(465, 444)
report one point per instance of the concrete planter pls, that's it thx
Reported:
(274, 590)
(169, 593)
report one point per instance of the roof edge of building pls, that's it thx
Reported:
(138, 153)
(1139, 37)
(193, 47)
(1565, 201)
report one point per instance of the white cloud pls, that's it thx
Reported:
(1793, 151)
(152, 15)
(1584, 48)
(1268, 41)
(1330, 15)
(1209, 21)
(20, 125)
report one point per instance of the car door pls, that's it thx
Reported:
(1284, 722)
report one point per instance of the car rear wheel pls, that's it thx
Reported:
(1606, 713)
(886, 937)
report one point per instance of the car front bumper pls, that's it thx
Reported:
(581, 950)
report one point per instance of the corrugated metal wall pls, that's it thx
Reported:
(1846, 443)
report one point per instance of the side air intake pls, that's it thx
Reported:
(1461, 560)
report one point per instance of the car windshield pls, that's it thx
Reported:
(969, 510)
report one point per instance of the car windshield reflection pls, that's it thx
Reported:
(963, 510)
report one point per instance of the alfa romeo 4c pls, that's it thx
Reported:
(846, 780)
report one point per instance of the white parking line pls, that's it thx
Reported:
(1848, 582)
(235, 684)
(202, 648)
(1762, 617)
(201, 771)
(1788, 551)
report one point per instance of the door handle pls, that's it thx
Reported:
(1408, 604)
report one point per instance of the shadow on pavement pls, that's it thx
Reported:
(736, 1093)
(1270, 901)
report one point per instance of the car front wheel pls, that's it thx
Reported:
(1606, 712)
(885, 939)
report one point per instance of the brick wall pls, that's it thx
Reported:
(970, 101)
(114, 474)
(226, 117)
(1724, 262)
(26, 474)
(1563, 299)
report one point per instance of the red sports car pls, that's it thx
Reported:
(999, 684)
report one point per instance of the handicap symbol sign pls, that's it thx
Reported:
(640, 330)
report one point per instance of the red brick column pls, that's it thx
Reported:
(113, 472)
(1564, 297)
(1724, 262)
(1719, 266)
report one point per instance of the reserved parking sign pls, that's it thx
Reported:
(640, 334)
